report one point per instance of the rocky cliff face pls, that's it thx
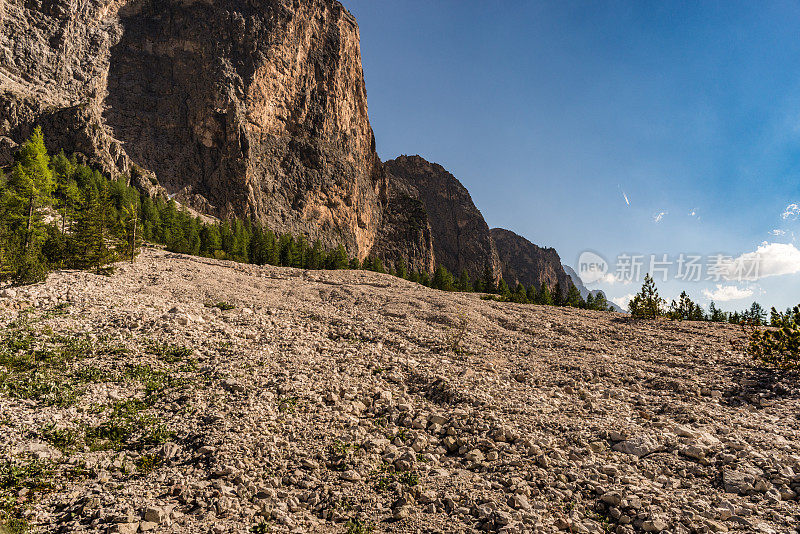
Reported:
(254, 108)
(461, 237)
(528, 264)
(405, 234)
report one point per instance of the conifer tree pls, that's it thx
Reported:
(402, 268)
(92, 233)
(442, 279)
(130, 232)
(464, 283)
(338, 258)
(574, 298)
(715, 314)
(544, 297)
(531, 294)
(30, 189)
(647, 303)
(558, 295)
(502, 288)
(488, 280)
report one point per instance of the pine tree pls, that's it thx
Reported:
(531, 294)
(544, 297)
(92, 233)
(520, 295)
(502, 288)
(442, 279)
(130, 232)
(489, 285)
(558, 295)
(338, 258)
(647, 303)
(29, 189)
(402, 268)
(464, 283)
(210, 240)
(715, 314)
(574, 298)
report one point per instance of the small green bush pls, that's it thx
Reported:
(778, 348)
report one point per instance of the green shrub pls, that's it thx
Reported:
(778, 348)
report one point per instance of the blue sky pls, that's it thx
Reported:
(549, 111)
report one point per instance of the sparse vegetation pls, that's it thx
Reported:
(357, 526)
(456, 335)
(224, 306)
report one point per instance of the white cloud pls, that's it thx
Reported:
(609, 279)
(778, 232)
(791, 212)
(612, 280)
(727, 293)
(659, 216)
(770, 259)
(623, 301)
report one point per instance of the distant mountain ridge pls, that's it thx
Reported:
(585, 292)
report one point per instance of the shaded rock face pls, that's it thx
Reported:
(405, 235)
(461, 237)
(252, 108)
(528, 264)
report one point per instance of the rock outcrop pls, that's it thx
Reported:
(253, 108)
(461, 237)
(528, 264)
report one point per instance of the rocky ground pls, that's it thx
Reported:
(356, 402)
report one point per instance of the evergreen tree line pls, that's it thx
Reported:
(56, 213)
(544, 295)
(648, 304)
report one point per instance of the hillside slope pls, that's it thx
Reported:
(324, 397)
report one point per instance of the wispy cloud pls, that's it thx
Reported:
(791, 212)
(624, 195)
(778, 232)
(658, 217)
(727, 293)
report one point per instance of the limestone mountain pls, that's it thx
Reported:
(249, 108)
(461, 237)
(528, 264)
